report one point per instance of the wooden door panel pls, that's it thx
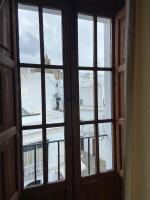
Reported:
(104, 188)
(5, 44)
(9, 173)
(121, 93)
(119, 77)
(45, 195)
(1, 178)
(118, 188)
(6, 86)
(122, 40)
(9, 162)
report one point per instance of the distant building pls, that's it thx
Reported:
(47, 60)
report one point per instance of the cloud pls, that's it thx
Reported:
(29, 44)
(29, 36)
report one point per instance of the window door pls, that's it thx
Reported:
(45, 102)
(94, 124)
(120, 71)
(67, 103)
(120, 100)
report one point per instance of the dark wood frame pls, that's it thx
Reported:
(69, 13)
(67, 105)
(75, 79)
(119, 91)
(9, 124)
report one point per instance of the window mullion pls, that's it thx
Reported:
(45, 150)
(96, 94)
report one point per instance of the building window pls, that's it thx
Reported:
(81, 102)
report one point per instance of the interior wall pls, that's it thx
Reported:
(137, 159)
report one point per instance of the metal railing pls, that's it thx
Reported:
(34, 170)
(89, 152)
(58, 156)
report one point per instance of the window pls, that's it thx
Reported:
(95, 89)
(85, 40)
(52, 23)
(81, 102)
(42, 94)
(48, 106)
(104, 42)
(29, 20)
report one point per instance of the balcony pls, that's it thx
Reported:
(33, 170)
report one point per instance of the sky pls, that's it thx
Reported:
(52, 22)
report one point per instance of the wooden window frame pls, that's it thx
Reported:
(119, 89)
(67, 105)
(69, 16)
(93, 69)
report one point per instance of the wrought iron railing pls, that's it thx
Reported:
(89, 139)
(34, 170)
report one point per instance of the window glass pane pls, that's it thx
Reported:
(54, 96)
(105, 147)
(87, 149)
(56, 154)
(104, 42)
(33, 157)
(29, 43)
(52, 22)
(104, 95)
(85, 40)
(31, 96)
(86, 95)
